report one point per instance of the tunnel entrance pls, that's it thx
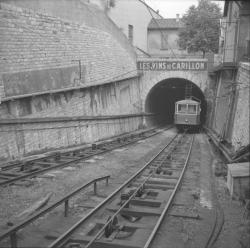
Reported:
(162, 97)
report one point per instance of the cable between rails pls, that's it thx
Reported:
(123, 205)
(157, 226)
(65, 237)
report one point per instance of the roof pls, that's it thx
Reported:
(187, 101)
(142, 51)
(167, 23)
(156, 12)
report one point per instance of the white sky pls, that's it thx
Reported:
(169, 8)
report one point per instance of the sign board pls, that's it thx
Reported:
(172, 65)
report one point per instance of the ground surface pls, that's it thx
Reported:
(205, 195)
(202, 194)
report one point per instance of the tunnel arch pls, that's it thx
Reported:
(161, 99)
(151, 78)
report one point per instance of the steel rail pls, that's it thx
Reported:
(123, 205)
(157, 226)
(12, 232)
(118, 211)
(64, 238)
(64, 164)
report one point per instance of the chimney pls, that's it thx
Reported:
(177, 17)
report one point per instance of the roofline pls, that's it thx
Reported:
(157, 28)
(143, 51)
(187, 100)
(150, 8)
(150, 28)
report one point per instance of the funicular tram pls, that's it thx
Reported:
(187, 114)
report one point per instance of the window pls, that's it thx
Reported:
(110, 3)
(230, 13)
(130, 33)
(164, 40)
(182, 108)
(192, 109)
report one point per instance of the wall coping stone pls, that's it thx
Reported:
(70, 118)
(5, 99)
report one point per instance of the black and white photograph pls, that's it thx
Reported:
(124, 124)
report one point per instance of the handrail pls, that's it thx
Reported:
(64, 236)
(12, 232)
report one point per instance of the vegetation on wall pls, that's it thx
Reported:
(201, 28)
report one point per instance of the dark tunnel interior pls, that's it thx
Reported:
(162, 97)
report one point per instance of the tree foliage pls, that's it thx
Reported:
(201, 28)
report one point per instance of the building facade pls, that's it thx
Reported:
(133, 17)
(163, 35)
(231, 78)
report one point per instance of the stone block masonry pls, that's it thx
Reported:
(240, 132)
(223, 104)
(41, 135)
(62, 84)
(120, 97)
(51, 121)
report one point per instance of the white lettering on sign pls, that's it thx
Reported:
(175, 66)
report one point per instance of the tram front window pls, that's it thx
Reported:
(182, 108)
(192, 109)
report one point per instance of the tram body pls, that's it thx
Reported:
(187, 113)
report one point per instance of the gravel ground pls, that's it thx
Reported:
(120, 165)
(235, 232)
(201, 194)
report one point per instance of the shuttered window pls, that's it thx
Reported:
(130, 33)
(164, 40)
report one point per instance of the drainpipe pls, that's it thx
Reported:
(229, 119)
(225, 43)
(236, 44)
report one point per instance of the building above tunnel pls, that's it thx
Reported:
(163, 37)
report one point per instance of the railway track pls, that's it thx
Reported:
(131, 216)
(19, 171)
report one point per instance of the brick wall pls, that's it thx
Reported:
(34, 45)
(240, 132)
(81, 12)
